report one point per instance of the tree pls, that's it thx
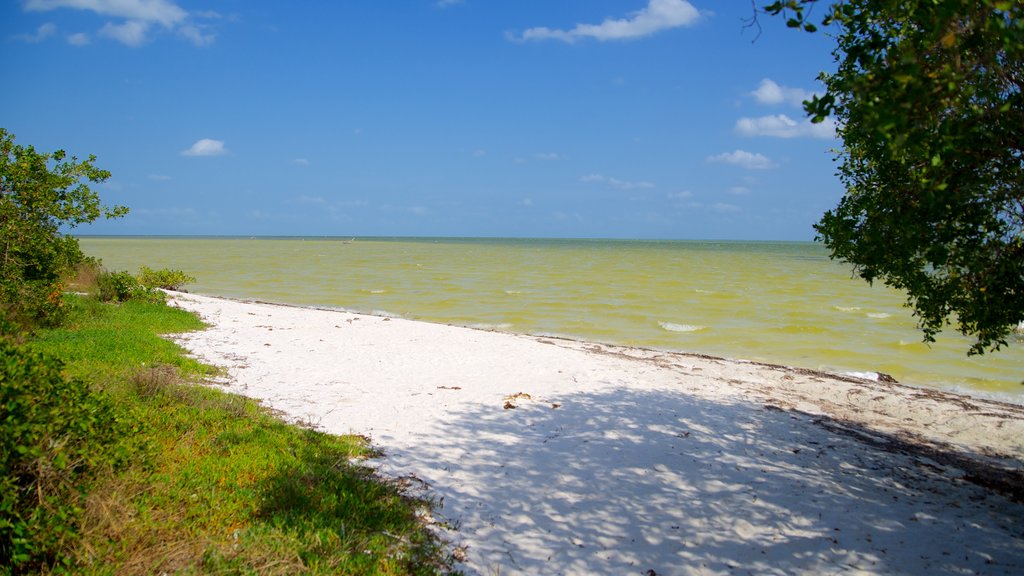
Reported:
(928, 99)
(41, 195)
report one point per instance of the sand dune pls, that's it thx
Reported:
(551, 456)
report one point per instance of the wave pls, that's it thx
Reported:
(878, 315)
(847, 308)
(862, 375)
(673, 327)
(373, 291)
(502, 327)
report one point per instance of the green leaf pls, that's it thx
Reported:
(928, 98)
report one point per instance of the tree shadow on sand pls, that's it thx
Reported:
(622, 481)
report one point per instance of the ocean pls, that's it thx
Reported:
(776, 302)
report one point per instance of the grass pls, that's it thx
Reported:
(216, 484)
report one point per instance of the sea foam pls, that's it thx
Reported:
(502, 327)
(673, 327)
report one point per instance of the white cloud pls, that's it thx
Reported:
(42, 33)
(657, 16)
(616, 183)
(133, 19)
(738, 191)
(684, 200)
(725, 208)
(300, 162)
(196, 35)
(768, 92)
(782, 126)
(163, 12)
(548, 156)
(79, 39)
(744, 159)
(131, 33)
(206, 147)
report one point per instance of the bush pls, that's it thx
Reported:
(117, 286)
(122, 286)
(32, 304)
(54, 435)
(164, 278)
(43, 194)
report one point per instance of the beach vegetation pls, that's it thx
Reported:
(927, 97)
(119, 286)
(42, 195)
(55, 434)
(165, 278)
(117, 459)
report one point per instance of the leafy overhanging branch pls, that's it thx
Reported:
(40, 195)
(927, 96)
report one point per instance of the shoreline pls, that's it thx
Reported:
(561, 456)
(955, 390)
(812, 314)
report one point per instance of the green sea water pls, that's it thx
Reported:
(777, 302)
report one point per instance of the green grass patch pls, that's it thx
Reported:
(215, 484)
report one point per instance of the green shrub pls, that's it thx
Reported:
(30, 304)
(121, 287)
(43, 194)
(54, 435)
(164, 278)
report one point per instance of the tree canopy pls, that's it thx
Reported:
(927, 95)
(42, 194)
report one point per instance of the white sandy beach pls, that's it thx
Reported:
(550, 456)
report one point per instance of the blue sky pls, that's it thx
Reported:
(527, 118)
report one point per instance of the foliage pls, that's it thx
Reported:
(54, 435)
(123, 286)
(217, 484)
(164, 278)
(41, 194)
(118, 286)
(928, 99)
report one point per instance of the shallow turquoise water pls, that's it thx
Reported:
(783, 303)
